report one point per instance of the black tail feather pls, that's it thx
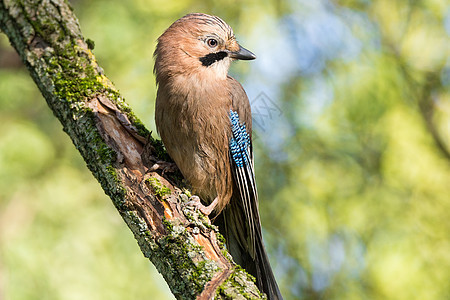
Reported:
(232, 228)
(265, 278)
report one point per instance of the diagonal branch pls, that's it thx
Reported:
(181, 243)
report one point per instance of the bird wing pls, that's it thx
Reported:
(242, 223)
(241, 157)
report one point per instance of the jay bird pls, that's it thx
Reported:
(204, 119)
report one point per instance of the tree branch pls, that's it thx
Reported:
(181, 243)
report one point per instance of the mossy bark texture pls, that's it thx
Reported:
(181, 243)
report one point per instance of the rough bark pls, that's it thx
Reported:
(182, 244)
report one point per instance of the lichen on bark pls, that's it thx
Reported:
(111, 139)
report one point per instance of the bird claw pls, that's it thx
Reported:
(195, 202)
(164, 166)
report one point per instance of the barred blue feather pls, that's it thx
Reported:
(244, 175)
(242, 217)
(240, 142)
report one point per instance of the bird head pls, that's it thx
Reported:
(198, 44)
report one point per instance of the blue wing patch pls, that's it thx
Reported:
(244, 176)
(240, 142)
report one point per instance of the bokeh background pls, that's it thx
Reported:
(351, 104)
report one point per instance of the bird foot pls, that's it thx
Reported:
(195, 202)
(164, 166)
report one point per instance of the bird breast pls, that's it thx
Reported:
(192, 120)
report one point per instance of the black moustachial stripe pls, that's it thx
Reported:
(211, 58)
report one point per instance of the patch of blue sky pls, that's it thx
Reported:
(447, 21)
(340, 253)
(300, 44)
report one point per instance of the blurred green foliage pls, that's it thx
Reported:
(352, 152)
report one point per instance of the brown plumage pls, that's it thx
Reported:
(194, 104)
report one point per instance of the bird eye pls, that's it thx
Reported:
(212, 43)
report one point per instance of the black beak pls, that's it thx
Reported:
(243, 54)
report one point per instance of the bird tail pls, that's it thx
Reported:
(254, 258)
(267, 280)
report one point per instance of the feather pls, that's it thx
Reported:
(251, 245)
